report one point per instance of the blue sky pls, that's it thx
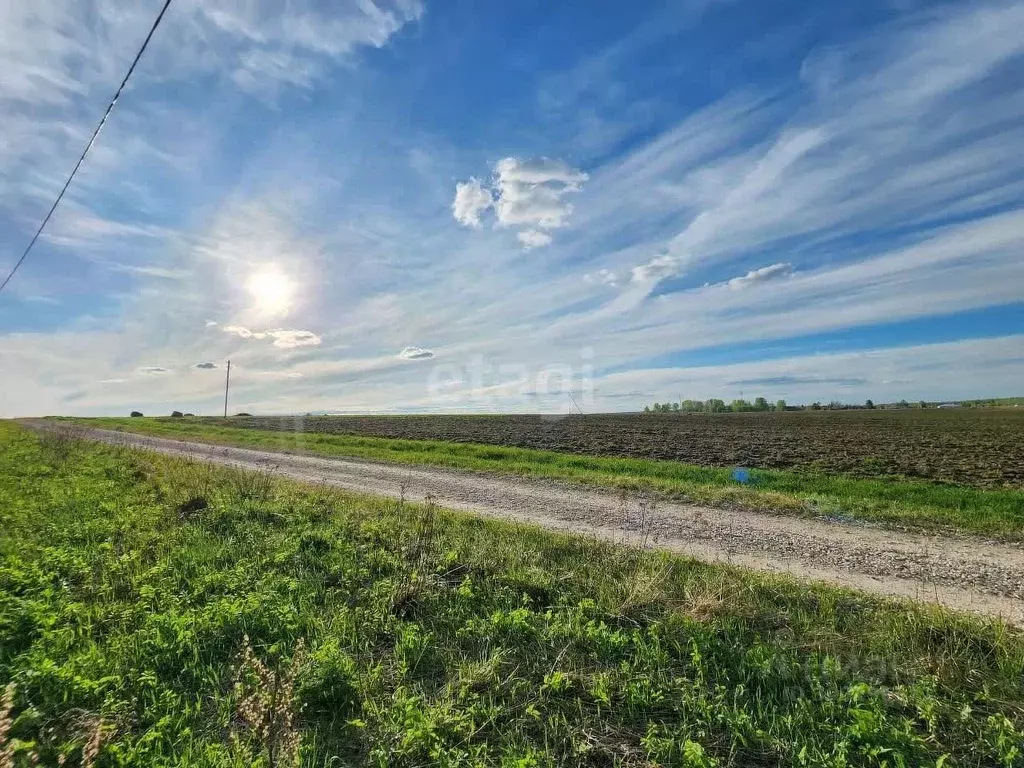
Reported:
(473, 206)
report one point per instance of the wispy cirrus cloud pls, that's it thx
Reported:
(885, 374)
(602, 276)
(62, 58)
(291, 49)
(795, 381)
(827, 171)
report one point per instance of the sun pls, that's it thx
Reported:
(271, 291)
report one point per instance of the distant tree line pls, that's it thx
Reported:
(715, 405)
(994, 402)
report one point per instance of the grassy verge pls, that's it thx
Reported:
(157, 611)
(891, 501)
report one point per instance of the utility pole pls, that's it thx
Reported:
(227, 383)
(575, 403)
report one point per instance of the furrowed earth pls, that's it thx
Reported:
(979, 447)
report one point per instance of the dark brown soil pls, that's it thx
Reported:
(978, 447)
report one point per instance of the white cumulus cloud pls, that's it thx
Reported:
(532, 193)
(289, 339)
(529, 195)
(471, 200)
(284, 338)
(762, 275)
(415, 353)
(534, 238)
(657, 268)
(243, 332)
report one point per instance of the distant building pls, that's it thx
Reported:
(949, 405)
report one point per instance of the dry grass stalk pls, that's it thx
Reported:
(646, 588)
(420, 555)
(266, 703)
(92, 746)
(6, 705)
(252, 485)
(426, 534)
(58, 441)
(704, 602)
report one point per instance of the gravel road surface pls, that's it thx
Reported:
(961, 573)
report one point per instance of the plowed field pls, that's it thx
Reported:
(977, 447)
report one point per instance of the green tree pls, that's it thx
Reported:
(780, 405)
(760, 404)
(869, 404)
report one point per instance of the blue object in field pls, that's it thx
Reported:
(741, 475)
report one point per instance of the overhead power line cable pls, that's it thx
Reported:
(92, 140)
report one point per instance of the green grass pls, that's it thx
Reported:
(129, 582)
(889, 501)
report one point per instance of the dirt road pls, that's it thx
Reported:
(961, 573)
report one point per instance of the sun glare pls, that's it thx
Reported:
(271, 291)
